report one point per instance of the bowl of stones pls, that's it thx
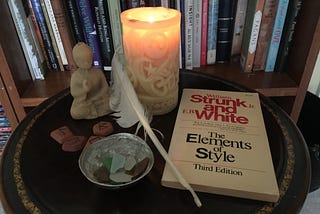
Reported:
(116, 161)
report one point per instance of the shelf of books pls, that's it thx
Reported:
(5, 129)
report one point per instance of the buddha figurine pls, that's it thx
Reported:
(88, 86)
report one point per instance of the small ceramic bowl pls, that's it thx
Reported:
(116, 161)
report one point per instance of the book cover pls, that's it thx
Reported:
(225, 29)
(251, 34)
(89, 29)
(287, 34)
(204, 32)
(74, 18)
(239, 20)
(64, 31)
(188, 24)
(220, 145)
(276, 35)
(197, 31)
(212, 31)
(116, 26)
(267, 22)
(37, 9)
(103, 25)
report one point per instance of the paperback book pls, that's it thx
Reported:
(220, 145)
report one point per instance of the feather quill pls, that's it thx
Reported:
(125, 102)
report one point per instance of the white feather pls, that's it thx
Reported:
(125, 101)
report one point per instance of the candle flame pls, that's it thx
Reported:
(151, 19)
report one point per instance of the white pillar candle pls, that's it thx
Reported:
(151, 39)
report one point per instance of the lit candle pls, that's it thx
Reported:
(151, 38)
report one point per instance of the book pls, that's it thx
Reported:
(212, 31)
(196, 33)
(188, 30)
(116, 26)
(225, 29)
(251, 34)
(287, 34)
(239, 20)
(276, 35)
(74, 18)
(64, 31)
(204, 33)
(89, 29)
(37, 9)
(266, 26)
(220, 145)
(103, 27)
(180, 7)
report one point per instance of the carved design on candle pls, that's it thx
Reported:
(152, 57)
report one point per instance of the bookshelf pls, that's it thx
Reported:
(287, 88)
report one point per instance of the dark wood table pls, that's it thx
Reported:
(38, 176)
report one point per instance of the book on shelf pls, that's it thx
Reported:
(266, 26)
(225, 29)
(276, 35)
(116, 27)
(90, 33)
(33, 58)
(64, 32)
(103, 27)
(220, 145)
(212, 31)
(37, 9)
(188, 33)
(197, 31)
(180, 7)
(287, 34)
(251, 34)
(239, 20)
(52, 32)
(74, 18)
(204, 33)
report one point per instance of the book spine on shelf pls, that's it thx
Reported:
(212, 31)
(197, 31)
(225, 30)
(239, 21)
(65, 32)
(74, 18)
(103, 27)
(86, 18)
(188, 15)
(51, 33)
(267, 22)
(36, 6)
(116, 29)
(204, 33)
(276, 35)
(180, 7)
(287, 34)
(251, 33)
(56, 32)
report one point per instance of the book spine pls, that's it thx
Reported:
(103, 27)
(164, 3)
(276, 35)
(188, 13)
(114, 13)
(133, 3)
(56, 31)
(251, 33)
(239, 21)
(212, 31)
(197, 30)
(287, 34)
(51, 33)
(45, 34)
(65, 32)
(90, 34)
(267, 22)
(204, 33)
(225, 30)
(180, 7)
(74, 18)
